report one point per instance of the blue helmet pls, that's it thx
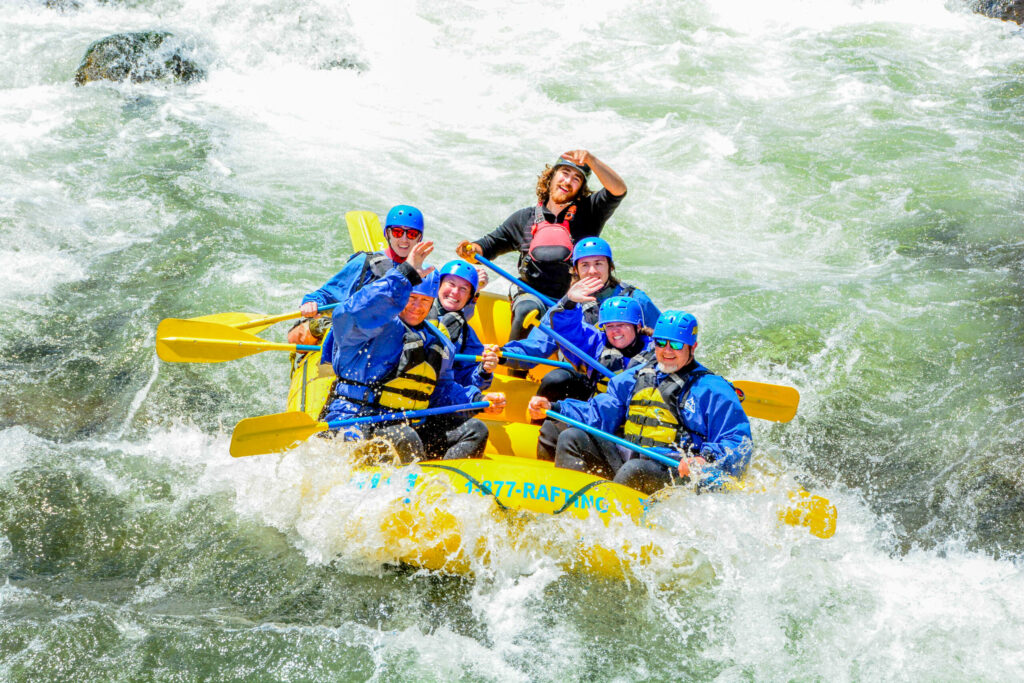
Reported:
(676, 326)
(461, 269)
(591, 246)
(405, 216)
(621, 309)
(583, 169)
(428, 287)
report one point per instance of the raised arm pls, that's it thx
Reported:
(610, 180)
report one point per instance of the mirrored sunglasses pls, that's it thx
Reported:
(662, 343)
(411, 232)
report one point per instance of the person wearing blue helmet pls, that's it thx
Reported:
(459, 285)
(403, 228)
(543, 234)
(618, 341)
(592, 261)
(388, 358)
(673, 405)
(594, 282)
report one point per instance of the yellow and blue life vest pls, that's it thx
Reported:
(653, 417)
(411, 384)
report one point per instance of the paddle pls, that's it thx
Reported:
(814, 512)
(257, 322)
(773, 402)
(518, 356)
(365, 231)
(192, 341)
(237, 320)
(511, 278)
(273, 433)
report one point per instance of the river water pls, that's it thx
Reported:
(832, 186)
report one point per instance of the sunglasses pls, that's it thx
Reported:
(411, 232)
(662, 343)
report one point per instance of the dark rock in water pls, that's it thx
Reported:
(143, 56)
(1007, 10)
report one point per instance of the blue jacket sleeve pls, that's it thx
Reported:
(449, 392)
(537, 344)
(361, 315)
(723, 429)
(338, 287)
(470, 373)
(569, 323)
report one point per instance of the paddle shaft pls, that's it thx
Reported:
(273, 433)
(270, 320)
(653, 455)
(517, 356)
(514, 280)
(575, 350)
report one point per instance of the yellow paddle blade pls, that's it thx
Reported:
(813, 512)
(254, 322)
(191, 341)
(769, 401)
(272, 433)
(365, 231)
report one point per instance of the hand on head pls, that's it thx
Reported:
(483, 277)
(580, 157)
(581, 290)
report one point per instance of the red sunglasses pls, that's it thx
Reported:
(411, 232)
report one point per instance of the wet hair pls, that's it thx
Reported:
(544, 185)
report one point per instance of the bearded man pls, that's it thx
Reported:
(544, 234)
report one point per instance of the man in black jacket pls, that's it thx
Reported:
(570, 210)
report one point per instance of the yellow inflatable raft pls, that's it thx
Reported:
(419, 528)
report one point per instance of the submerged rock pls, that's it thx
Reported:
(142, 56)
(1007, 10)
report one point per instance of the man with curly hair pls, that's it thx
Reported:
(544, 234)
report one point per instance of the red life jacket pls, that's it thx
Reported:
(547, 259)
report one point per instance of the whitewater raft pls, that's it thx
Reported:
(418, 528)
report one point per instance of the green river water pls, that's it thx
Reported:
(833, 187)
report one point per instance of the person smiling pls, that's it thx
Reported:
(459, 283)
(388, 359)
(544, 234)
(403, 229)
(673, 405)
(618, 341)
